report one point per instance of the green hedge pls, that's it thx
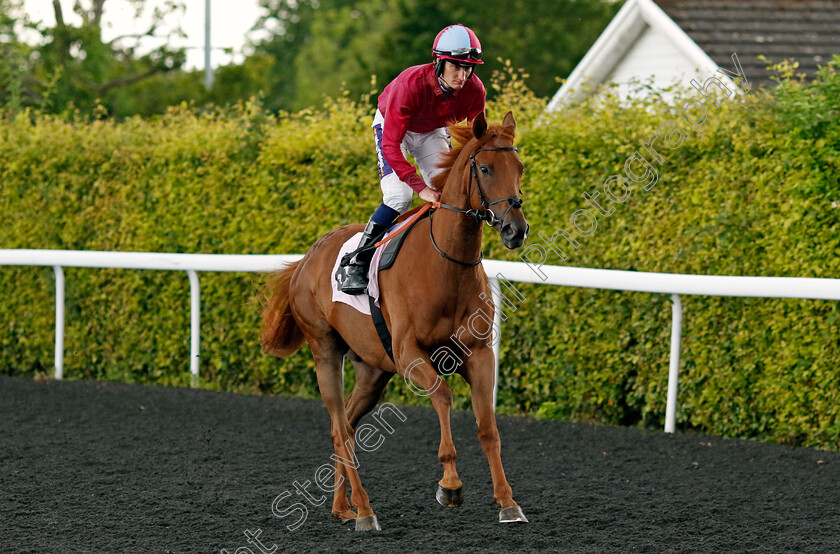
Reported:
(757, 195)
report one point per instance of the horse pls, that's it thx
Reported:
(427, 297)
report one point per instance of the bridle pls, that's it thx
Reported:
(483, 214)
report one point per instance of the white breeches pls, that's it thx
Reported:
(427, 149)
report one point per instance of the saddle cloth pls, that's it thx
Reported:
(360, 301)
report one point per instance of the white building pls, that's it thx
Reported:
(664, 42)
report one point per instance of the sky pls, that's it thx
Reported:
(230, 21)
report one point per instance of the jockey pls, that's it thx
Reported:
(412, 115)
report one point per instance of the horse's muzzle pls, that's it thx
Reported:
(514, 233)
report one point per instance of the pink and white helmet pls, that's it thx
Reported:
(457, 43)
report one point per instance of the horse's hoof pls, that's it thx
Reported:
(450, 498)
(512, 514)
(367, 523)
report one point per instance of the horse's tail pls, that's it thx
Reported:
(280, 334)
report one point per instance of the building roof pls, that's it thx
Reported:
(708, 32)
(631, 21)
(806, 30)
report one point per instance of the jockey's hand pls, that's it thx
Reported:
(429, 195)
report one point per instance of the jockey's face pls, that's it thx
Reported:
(455, 76)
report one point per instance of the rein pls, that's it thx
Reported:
(411, 216)
(485, 213)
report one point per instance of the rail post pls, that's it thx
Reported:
(674, 369)
(59, 321)
(195, 327)
(496, 292)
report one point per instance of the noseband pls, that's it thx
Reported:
(483, 214)
(486, 214)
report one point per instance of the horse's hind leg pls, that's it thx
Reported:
(329, 368)
(370, 382)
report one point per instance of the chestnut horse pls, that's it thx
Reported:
(427, 298)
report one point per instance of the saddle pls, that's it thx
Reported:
(392, 247)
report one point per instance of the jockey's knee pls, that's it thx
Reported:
(395, 194)
(397, 201)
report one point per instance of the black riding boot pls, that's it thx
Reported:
(352, 277)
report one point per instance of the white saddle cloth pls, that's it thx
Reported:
(360, 301)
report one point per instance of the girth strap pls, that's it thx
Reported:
(381, 328)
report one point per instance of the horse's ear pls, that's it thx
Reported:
(508, 121)
(479, 125)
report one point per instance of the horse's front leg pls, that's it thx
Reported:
(480, 375)
(421, 379)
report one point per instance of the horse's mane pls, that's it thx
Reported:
(462, 135)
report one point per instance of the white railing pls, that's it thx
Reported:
(661, 283)
(191, 263)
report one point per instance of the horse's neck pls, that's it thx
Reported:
(457, 235)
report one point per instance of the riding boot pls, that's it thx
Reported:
(353, 275)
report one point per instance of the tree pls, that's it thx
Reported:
(323, 48)
(289, 24)
(14, 55)
(344, 50)
(73, 65)
(315, 48)
(546, 40)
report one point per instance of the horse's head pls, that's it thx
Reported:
(494, 179)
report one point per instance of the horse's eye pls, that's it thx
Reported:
(485, 170)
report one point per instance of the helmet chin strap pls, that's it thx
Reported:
(447, 88)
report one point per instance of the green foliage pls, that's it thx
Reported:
(290, 24)
(755, 196)
(314, 49)
(353, 37)
(547, 42)
(331, 46)
(14, 56)
(73, 67)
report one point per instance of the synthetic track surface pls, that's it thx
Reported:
(111, 467)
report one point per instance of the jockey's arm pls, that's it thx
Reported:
(393, 132)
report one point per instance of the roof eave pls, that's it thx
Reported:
(613, 43)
